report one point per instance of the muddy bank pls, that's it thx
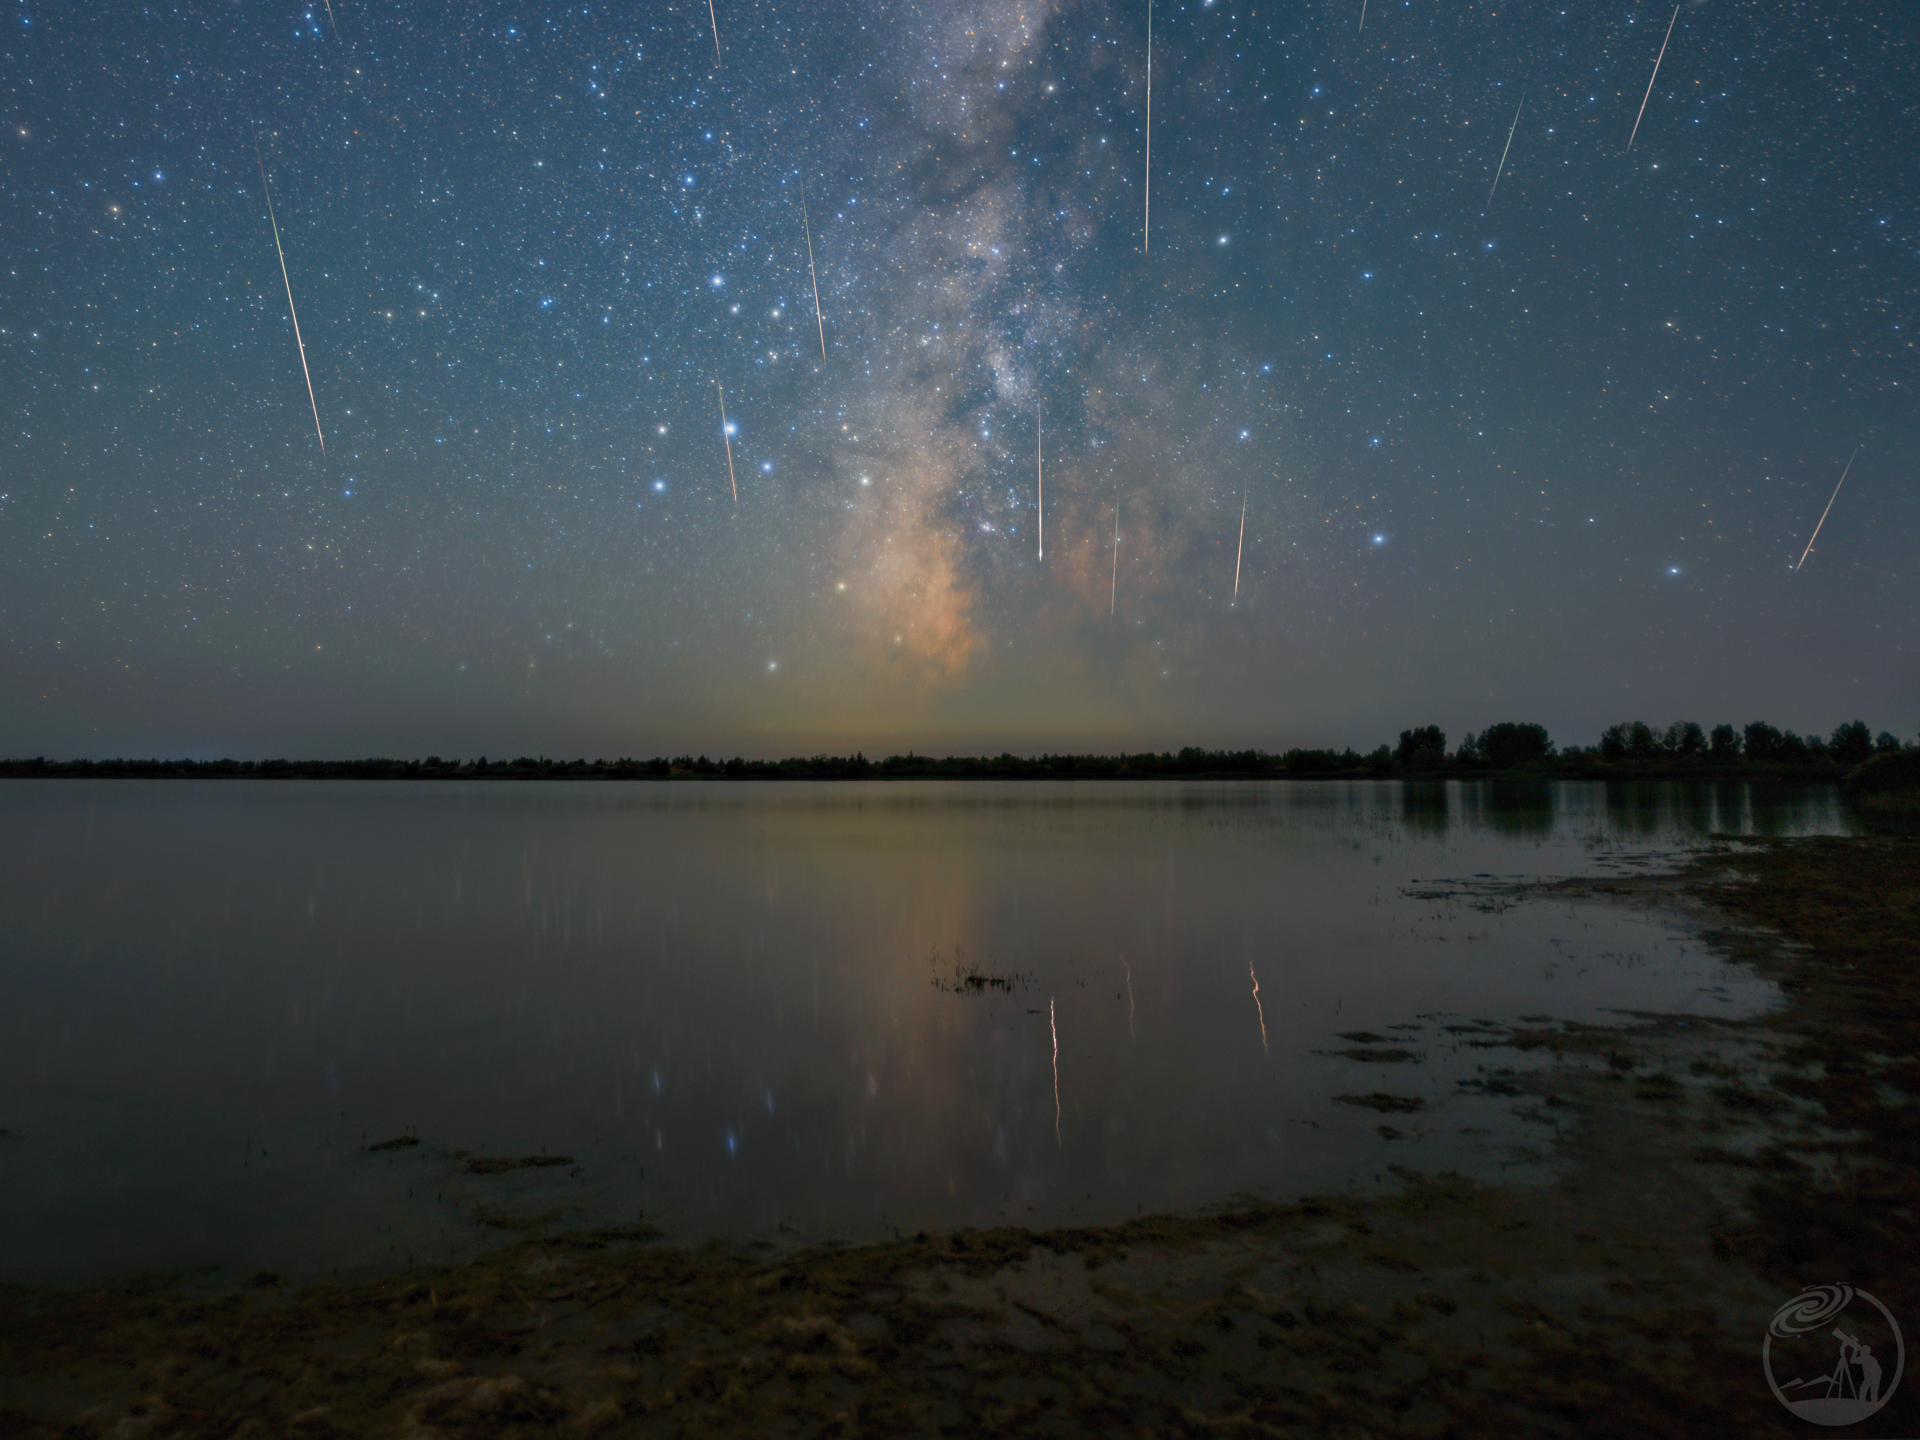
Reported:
(1706, 1172)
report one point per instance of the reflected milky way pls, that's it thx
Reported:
(736, 1007)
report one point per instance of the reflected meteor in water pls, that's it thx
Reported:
(1054, 1026)
(1823, 514)
(1650, 79)
(1258, 1008)
(726, 436)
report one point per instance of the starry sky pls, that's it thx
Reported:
(1545, 451)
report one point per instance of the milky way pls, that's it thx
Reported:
(1552, 461)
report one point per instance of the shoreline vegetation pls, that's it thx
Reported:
(1628, 751)
(1705, 1171)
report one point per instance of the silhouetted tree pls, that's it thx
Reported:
(1684, 737)
(1724, 743)
(1886, 742)
(1509, 744)
(1613, 742)
(1851, 743)
(1422, 749)
(1763, 742)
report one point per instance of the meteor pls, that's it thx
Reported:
(1040, 479)
(1823, 514)
(1113, 583)
(726, 436)
(1259, 1009)
(331, 21)
(1146, 223)
(822, 324)
(716, 31)
(1363, 16)
(1503, 154)
(1054, 1026)
(1130, 1034)
(1650, 79)
(1241, 548)
(298, 342)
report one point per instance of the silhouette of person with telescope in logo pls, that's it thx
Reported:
(1853, 1352)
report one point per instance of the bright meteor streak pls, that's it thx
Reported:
(716, 31)
(1651, 78)
(300, 344)
(1054, 1026)
(1258, 1008)
(726, 435)
(331, 21)
(1241, 548)
(1146, 223)
(1040, 479)
(1113, 583)
(817, 320)
(1503, 154)
(1823, 514)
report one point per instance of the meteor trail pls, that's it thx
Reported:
(1503, 154)
(1040, 478)
(1054, 1026)
(1650, 79)
(815, 274)
(331, 21)
(1146, 223)
(298, 342)
(726, 435)
(716, 31)
(1259, 1009)
(1241, 548)
(1130, 1034)
(1363, 16)
(1823, 514)
(1113, 584)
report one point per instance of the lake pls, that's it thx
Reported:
(783, 1011)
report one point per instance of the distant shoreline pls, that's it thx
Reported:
(1188, 764)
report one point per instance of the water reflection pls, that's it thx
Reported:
(738, 1007)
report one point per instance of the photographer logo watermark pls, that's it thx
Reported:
(1828, 1351)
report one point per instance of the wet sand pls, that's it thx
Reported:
(1704, 1172)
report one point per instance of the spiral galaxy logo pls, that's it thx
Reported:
(1829, 1386)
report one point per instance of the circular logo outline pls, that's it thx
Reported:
(1799, 1303)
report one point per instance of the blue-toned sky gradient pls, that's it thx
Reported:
(1550, 456)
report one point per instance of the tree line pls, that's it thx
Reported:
(1627, 749)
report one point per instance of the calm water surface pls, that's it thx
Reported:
(735, 1006)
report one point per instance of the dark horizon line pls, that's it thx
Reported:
(1524, 750)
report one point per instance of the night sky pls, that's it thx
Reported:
(1547, 457)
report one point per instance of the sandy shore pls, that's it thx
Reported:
(1706, 1172)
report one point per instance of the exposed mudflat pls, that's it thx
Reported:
(1701, 1173)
